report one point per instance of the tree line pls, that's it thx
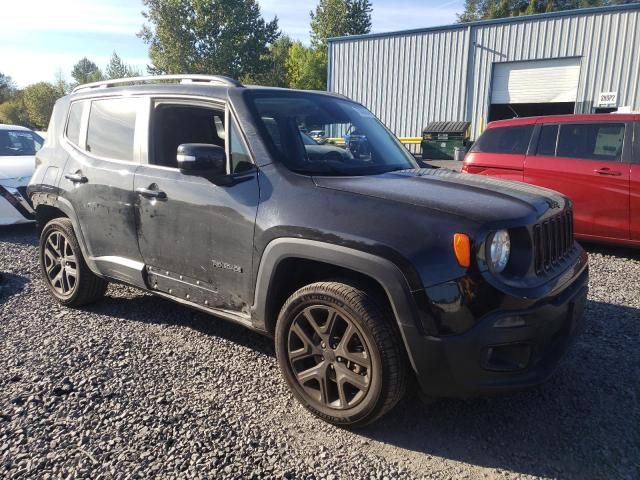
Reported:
(230, 37)
(32, 106)
(489, 9)
(224, 37)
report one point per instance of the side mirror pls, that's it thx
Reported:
(201, 159)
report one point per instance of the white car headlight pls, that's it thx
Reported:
(499, 249)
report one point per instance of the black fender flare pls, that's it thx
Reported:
(382, 270)
(62, 204)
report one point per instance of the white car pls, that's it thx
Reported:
(18, 146)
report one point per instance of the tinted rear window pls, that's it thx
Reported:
(591, 141)
(513, 140)
(111, 128)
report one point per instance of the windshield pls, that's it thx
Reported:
(354, 143)
(19, 143)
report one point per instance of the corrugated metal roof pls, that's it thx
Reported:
(446, 127)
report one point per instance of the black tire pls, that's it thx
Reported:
(307, 343)
(58, 238)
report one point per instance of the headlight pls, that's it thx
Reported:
(499, 246)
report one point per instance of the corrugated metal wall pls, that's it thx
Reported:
(409, 79)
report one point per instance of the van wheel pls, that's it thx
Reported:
(63, 267)
(339, 353)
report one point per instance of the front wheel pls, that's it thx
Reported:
(339, 353)
(63, 267)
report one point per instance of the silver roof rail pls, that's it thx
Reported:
(213, 79)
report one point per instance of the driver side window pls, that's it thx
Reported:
(175, 124)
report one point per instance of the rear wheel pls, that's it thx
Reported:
(63, 267)
(339, 353)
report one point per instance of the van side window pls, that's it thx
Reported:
(510, 140)
(591, 141)
(547, 141)
(74, 123)
(111, 128)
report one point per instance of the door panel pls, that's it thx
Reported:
(634, 187)
(600, 200)
(101, 189)
(200, 231)
(584, 160)
(196, 237)
(103, 202)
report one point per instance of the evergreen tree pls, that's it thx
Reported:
(358, 17)
(337, 18)
(487, 9)
(85, 71)
(471, 11)
(118, 69)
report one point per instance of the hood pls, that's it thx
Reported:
(17, 169)
(473, 197)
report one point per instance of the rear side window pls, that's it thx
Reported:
(547, 141)
(513, 140)
(111, 128)
(591, 141)
(74, 123)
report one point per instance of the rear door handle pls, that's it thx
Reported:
(607, 171)
(147, 193)
(76, 177)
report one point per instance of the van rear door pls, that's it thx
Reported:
(500, 152)
(586, 162)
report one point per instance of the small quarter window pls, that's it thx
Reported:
(238, 154)
(112, 128)
(74, 122)
(510, 140)
(591, 141)
(547, 142)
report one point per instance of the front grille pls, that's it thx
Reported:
(552, 240)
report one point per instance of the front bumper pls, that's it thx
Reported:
(490, 359)
(14, 206)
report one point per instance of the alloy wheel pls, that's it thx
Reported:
(329, 357)
(60, 263)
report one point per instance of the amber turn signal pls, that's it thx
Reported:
(462, 249)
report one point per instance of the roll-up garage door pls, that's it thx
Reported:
(539, 81)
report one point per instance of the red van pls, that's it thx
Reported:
(593, 159)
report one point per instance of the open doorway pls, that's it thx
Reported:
(503, 111)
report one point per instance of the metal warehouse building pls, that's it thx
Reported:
(578, 61)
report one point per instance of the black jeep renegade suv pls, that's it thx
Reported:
(367, 269)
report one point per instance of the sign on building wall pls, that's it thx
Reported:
(608, 99)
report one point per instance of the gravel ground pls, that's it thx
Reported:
(136, 386)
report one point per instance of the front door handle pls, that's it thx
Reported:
(76, 177)
(147, 193)
(607, 171)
